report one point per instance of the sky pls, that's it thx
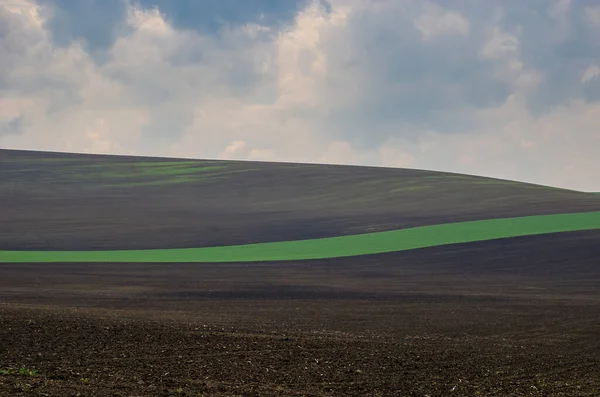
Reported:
(506, 89)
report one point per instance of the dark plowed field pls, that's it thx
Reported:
(513, 317)
(516, 317)
(53, 201)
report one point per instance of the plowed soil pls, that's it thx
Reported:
(516, 317)
(58, 201)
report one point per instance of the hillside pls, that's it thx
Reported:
(59, 201)
(85, 313)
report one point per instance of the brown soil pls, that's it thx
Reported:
(518, 317)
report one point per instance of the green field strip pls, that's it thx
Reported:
(129, 171)
(333, 247)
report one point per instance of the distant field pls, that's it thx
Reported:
(334, 247)
(69, 202)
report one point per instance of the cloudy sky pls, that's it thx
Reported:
(508, 89)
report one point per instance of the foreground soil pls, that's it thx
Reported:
(517, 317)
(92, 353)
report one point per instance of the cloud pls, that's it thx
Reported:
(500, 45)
(591, 73)
(559, 148)
(510, 91)
(436, 21)
(239, 149)
(593, 13)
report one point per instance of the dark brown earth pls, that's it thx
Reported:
(515, 317)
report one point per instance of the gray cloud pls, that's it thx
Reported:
(427, 85)
(12, 126)
(509, 92)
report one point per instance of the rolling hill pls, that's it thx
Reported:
(419, 283)
(64, 202)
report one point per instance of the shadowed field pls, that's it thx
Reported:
(514, 316)
(59, 201)
(332, 247)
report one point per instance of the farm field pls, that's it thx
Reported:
(332, 247)
(133, 203)
(83, 313)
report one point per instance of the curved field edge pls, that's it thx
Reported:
(333, 247)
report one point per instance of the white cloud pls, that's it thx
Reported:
(393, 155)
(504, 49)
(591, 73)
(341, 152)
(437, 21)
(315, 90)
(233, 150)
(558, 149)
(306, 60)
(500, 45)
(149, 21)
(28, 11)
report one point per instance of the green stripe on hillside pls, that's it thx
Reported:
(362, 244)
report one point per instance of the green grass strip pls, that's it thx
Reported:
(333, 247)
